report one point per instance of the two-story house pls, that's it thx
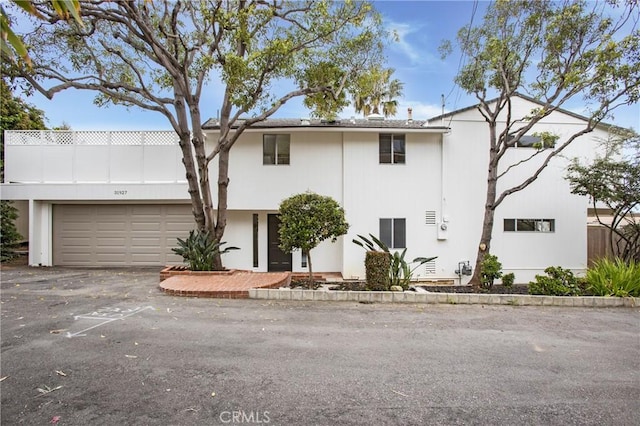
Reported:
(120, 198)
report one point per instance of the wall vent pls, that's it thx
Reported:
(430, 217)
(430, 267)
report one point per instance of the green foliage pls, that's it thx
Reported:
(377, 265)
(614, 278)
(308, 219)
(400, 270)
(490, 270)
(557, 282)
(547, 140)
(9, 235)
(199, 251)
(614, 182)
(10, 43)
(376, 93)
(16, 114)
(508, 279)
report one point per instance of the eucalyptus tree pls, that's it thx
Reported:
(377, 93)
(159, 55)
(555, 52)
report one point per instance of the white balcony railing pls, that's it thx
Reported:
(43, 156)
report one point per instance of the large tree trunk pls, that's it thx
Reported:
(223, 186)
(192, 180)
(489, 208)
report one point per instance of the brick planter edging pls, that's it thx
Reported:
(444, 298)
(171, 271)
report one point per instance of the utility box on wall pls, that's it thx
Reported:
(443, 230)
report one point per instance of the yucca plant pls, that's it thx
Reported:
(198, 250)
(614, 278)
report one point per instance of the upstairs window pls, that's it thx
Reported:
(275, 149)
(392, 149)
(542, 140)
(529, 225)
(393, 232)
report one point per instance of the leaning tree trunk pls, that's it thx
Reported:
(483, 247)
(489, 210)
(223, 186)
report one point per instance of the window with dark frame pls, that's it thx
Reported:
(393, 232)
(392, 148)
(255, 240)
(276, 149)
(530, 141)
(529, 225)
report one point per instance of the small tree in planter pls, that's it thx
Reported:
(308, 219)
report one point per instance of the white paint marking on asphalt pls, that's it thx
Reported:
(107, 315)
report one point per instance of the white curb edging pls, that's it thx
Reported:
(443, 298)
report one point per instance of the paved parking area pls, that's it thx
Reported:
(97, 347)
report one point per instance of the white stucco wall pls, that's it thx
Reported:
(315, 165)
(374, 191)
(549, 197)
(443, 173)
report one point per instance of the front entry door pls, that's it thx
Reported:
(278, 260)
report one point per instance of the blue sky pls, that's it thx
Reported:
(420, 25)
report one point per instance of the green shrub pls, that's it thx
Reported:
(377, 265)
(508, 279)
(557, 282)
(198, 250)
(490, 270)
(400, 271)
(9, 235)
(614, 278)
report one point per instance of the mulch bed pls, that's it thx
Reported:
(361, 286)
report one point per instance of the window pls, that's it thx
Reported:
(529, 225)
(538, 141)
(275, 149)
(392, 150)
(303, 261)
(393, 232)
(255, 240)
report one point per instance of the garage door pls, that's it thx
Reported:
(118, 235)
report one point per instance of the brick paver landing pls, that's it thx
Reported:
(228, 286)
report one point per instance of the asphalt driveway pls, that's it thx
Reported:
(104, 347)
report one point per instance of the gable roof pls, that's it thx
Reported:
(345, 125)
(520, 95)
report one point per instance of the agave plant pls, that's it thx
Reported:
(400, 272)
(199, 250)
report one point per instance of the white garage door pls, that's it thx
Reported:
(118, 235)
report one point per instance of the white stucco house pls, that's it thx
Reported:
(120, 198)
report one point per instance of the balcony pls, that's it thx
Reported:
(111, 157)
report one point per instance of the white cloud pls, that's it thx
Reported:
(421, 110)
(409, 50)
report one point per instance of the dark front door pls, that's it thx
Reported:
(278, 260)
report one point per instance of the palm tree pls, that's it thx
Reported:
(376, 91)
